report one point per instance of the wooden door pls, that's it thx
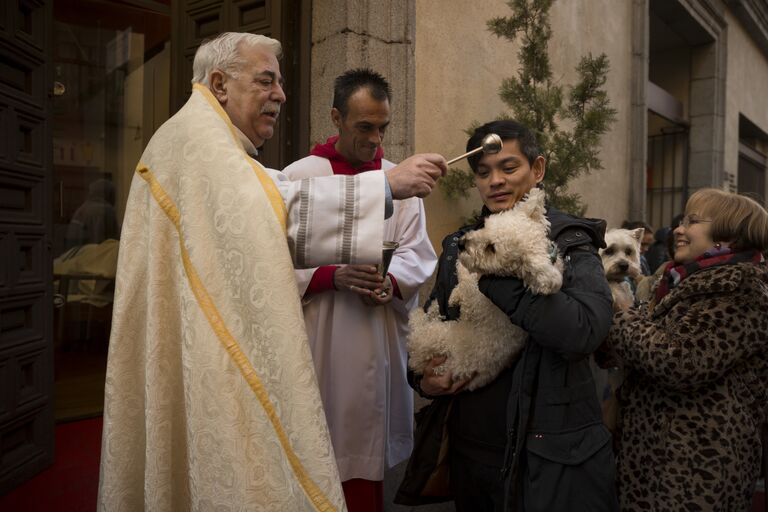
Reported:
(288, 21)
(26, 346)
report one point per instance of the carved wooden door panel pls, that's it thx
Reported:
(26, 346)
(286, 20)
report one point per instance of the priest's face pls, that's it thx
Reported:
(361, 131)
(253, 95)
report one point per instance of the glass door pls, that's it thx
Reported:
(111, 72)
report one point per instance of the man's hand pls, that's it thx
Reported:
(380, 296)
(416, 175)
(362, 279)
(438, 381)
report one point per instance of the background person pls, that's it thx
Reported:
(662, 248)
(695, 395)
(658, 255)
(95, 220)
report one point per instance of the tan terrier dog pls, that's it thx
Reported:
(621, 261)
(483, 341)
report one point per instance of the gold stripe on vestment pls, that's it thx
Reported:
(273, 194)
(204, 300)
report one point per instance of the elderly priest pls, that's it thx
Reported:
(211, 398)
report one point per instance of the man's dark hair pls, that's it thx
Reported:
(508, 130)
(349, 82)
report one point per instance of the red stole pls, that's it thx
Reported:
(339, 164)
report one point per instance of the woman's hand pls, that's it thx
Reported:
(438, 380)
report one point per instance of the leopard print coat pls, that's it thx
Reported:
(696, 394)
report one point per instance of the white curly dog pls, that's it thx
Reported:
(483, 341)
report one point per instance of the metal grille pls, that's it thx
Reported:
(752, 170)
(667, 176)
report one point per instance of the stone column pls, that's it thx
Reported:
(638, 126)
(707, 117)
(377, 34)
(707, 99)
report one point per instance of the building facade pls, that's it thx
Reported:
(685, 79)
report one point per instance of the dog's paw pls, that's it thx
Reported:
(545, 281)
(622, 302)
(433, 312)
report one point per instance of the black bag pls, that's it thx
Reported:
(426, 476)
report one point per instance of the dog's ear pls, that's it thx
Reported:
(533, 204)
(637, 234)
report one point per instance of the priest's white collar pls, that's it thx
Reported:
(247, 144)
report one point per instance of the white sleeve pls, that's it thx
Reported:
(414, 260)
(334, 219)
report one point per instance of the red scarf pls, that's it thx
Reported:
(339, 164)
(675, 274)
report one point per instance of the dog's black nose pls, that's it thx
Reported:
(461, 244)
(623, 266)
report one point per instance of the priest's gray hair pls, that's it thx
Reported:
(223, 53)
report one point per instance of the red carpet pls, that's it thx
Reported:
(72, 483)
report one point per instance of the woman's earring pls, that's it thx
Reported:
(718, 245)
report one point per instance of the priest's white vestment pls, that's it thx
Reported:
(360, 351)
(211, 399)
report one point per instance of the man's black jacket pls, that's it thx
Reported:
(555, 452)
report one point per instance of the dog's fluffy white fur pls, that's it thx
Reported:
(483, 341)
(621, 260)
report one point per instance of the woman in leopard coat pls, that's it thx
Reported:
(695, 395)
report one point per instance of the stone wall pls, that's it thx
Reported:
(745, 89)
(378, 34)
(460, 66)
(446, 68)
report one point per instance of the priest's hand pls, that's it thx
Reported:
(438, 380)
(360, 279)
(416, 175)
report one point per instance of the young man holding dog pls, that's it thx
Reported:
(533, 439)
